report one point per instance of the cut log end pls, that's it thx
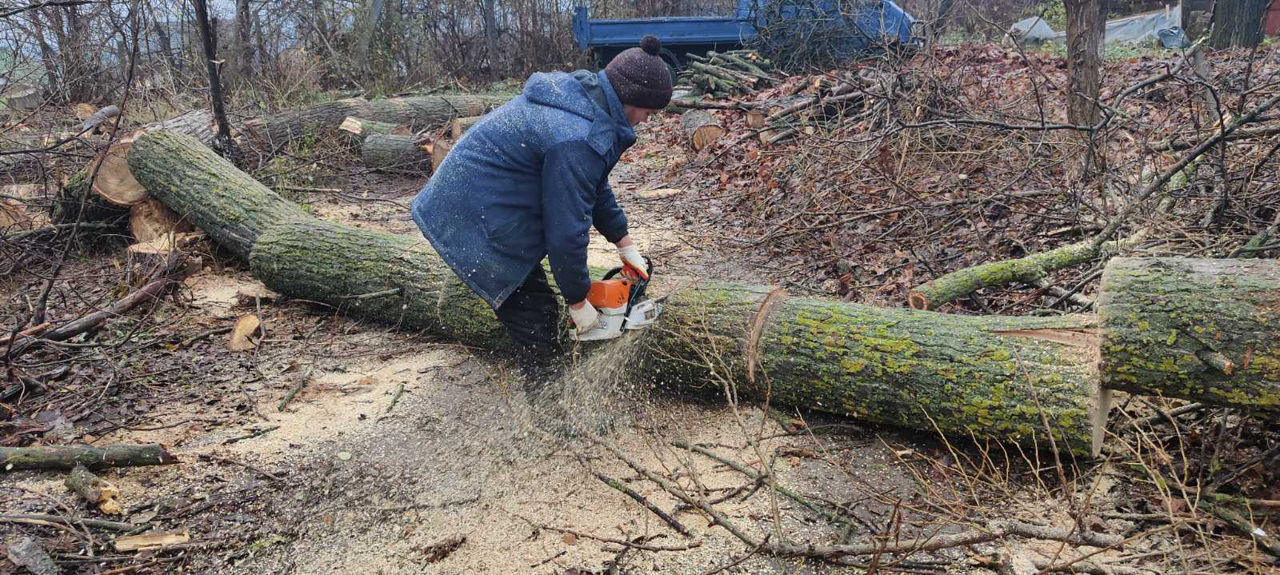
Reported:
(917, 300)
(151, 220)
(114, 182)
(439, 150)
(701, 128)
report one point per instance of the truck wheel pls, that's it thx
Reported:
(672, 62)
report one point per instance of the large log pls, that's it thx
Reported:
(416, 112)
(392, 153)
(1201, 329)
(964, 376)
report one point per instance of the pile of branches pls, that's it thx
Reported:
(726, 74)
(870, 183)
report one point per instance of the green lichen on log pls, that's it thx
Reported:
(385, 277)
(1029, 269)
(205, 189)
(1207, 330)
(966, 375)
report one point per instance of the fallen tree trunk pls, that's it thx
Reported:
(1029, 269)
(964, 376)
(701, 129)
(1199, 329)
(68, 456)
(439, 151)
(416, 112)
(393, 153)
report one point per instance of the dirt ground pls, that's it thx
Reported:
(405, 455)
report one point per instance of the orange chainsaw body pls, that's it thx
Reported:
(610, 293)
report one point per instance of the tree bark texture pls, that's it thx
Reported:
(985, 377)
(701, 128)
(416, 112)
(100, 493)
(459, 126)
(1030, 269)
(392, 153)
(68, 456)
(1086, 25)
(1237, 23)
(1199, 329)
(173, 166)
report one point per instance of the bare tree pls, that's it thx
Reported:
(222, 142)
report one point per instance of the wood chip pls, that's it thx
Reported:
(242, 333)
(153, 540)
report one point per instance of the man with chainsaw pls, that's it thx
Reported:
(528, 181)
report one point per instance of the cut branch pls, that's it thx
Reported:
(69, 456)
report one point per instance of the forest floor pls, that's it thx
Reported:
(401, 454)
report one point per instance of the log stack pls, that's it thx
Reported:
(728, 74)
(416, 112)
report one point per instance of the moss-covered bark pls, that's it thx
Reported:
(1029, 269)
(207, 190)
(68, 456)
(395, 153)
(1207, 330)
(416, 112)
(987, 377)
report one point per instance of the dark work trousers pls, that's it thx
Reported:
(531, 315)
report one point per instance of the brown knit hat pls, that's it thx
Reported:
(641, 77)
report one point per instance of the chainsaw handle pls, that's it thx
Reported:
(648, 264)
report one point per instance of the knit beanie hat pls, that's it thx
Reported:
(641, 77)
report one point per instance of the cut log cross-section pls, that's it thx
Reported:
(388, 152)
(357, 129)
(439, 151)
(151, 220)
(1201, 329)
(701, 128)
(964, 376)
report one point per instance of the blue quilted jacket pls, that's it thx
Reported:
(528, 181)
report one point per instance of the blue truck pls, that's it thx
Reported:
(861, 24)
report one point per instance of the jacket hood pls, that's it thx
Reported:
(586, 95)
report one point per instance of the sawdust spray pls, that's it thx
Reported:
(601, 389)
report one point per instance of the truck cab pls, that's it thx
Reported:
(864, 23)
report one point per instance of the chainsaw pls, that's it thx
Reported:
(619, 297)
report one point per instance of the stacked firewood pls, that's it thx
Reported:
(727, 74)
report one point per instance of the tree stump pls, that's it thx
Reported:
(701, 128)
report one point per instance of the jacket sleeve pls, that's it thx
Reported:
(608, 216)
(571, 174)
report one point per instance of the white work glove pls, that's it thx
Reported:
(633, 261)
(585, 318)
